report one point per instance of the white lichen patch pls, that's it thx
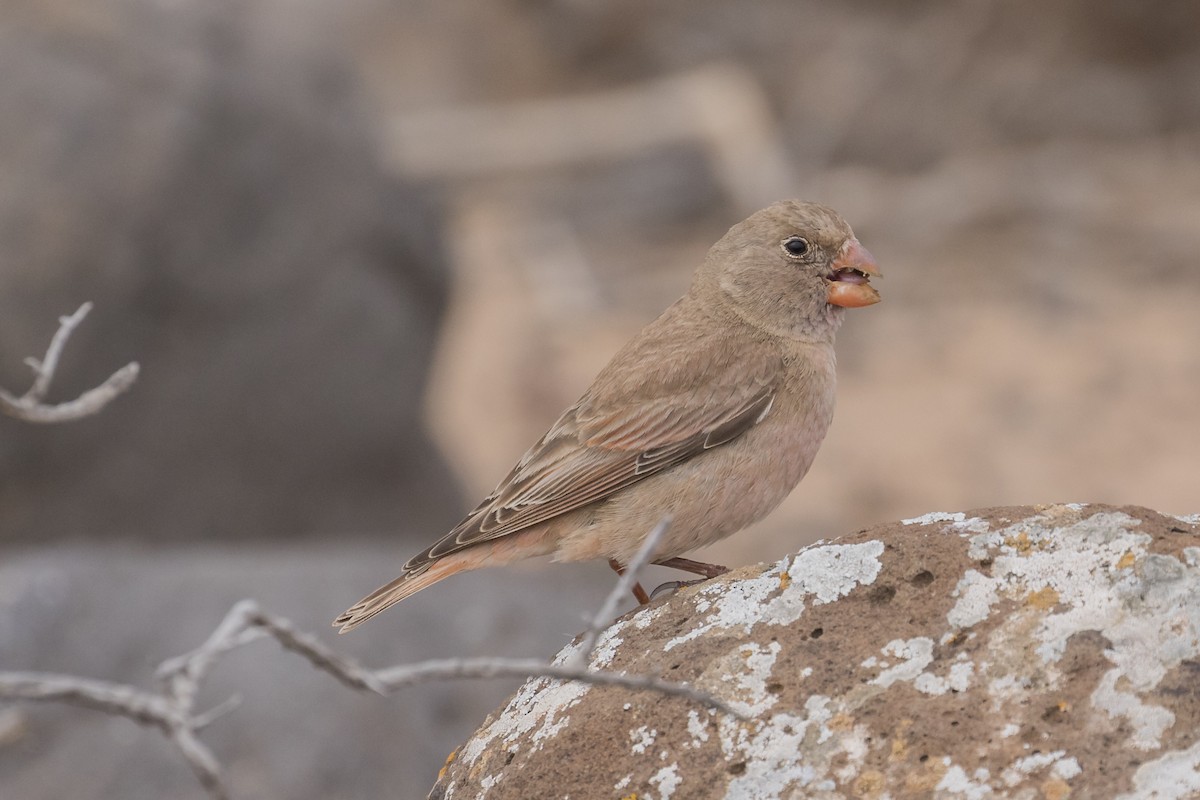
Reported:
(611, 639)
(958, 521)
(935, 516)
(855, 748)
(642, 739)
(915, 654)
(666, 780)
(831, 571)
(746, 671)
(1190, 519)
(1066, 768)
(976, 594)
(1095, 574)
(768, 749)
(1021, 769)
(645, 617)
(956, 783)
(957, 680)
(606, 647)
(1006, 688)
(697, 729)
(1172, 776)
(536, 713)
(1149, 722)
(822, 573)
(1042, 569)
(737, 605)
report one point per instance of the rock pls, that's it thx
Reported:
(1008, 652)
(210, 178)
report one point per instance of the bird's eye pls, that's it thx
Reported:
(795, 246)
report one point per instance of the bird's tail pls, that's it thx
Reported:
(405, 586)
(538, 541)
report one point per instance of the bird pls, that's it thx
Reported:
(710, 416)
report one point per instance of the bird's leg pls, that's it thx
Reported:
(694, 567)
(709, 571)
(638, 592)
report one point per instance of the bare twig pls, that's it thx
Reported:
(603, 617)
(173, 718)
(30, 406)
(399, 677)
(111, 698)
(172, 711)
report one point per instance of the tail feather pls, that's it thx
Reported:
(404, 586)
(505, 550)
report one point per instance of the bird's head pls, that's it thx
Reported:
(790, 269)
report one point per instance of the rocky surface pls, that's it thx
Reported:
(1047, 651)
(214, 186)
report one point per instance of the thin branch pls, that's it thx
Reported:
(603, 618)
(172, 710)
(399, 677)
(30, 406)
(346, 670)
(202, 721)
(181, 675)
(118, 699)
(204, 764)
(164, 712)
(44, 370)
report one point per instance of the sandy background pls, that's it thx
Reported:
(366, 252)
(1028, 180)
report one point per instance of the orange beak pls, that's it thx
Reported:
(849, 282)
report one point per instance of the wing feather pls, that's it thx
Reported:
(607, 442)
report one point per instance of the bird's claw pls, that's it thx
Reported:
(674, 586)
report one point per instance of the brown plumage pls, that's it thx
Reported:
(711, 414)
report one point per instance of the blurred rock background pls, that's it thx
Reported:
(367, 251)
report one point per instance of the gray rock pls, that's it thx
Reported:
(210, 179)
(1008, 652)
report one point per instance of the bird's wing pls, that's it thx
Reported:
(643, 414)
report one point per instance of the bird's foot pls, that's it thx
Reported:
(674, 586)
(709, 571)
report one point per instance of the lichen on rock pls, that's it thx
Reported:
(1009, 652)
